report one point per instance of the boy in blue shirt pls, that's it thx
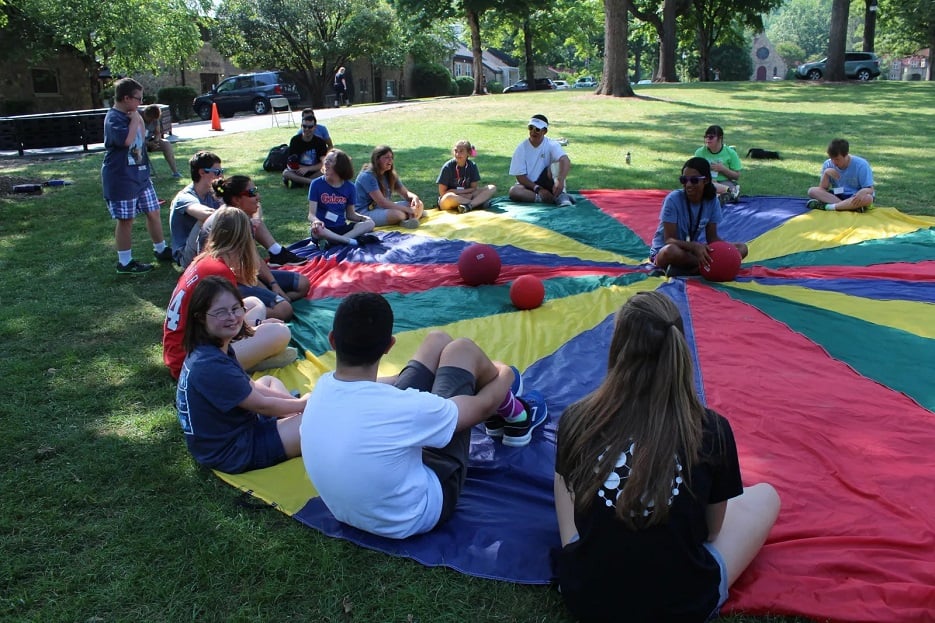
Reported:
(128, 190)
(846, 181)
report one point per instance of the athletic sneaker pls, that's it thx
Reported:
(133, 268)
(176, 175)
(814, 204)
(164, 256)
(465, 207)
(564, 200)
(519, 434)
(410, 223)
(495, 423)
(286, 258)
(279, 360)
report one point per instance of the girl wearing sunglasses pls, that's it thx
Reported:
(688, 223)
(276, 288)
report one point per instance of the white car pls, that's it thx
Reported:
(587, 82)
(561, 84)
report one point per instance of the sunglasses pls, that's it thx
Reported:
(533, 128)
(306, 126)
(691, 179)
(216, 171)
(250, 192)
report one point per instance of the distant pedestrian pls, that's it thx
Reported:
(340, 87)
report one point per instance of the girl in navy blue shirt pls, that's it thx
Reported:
(231, 422)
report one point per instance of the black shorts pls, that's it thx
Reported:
(450, 462)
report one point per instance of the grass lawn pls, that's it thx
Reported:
(104, 515)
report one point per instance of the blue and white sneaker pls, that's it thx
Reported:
(494, 424)
(519, 434)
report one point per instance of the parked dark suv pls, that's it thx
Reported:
(246, 92)
(858, 65)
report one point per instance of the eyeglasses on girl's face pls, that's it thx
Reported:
(226, 314)
(684, 180)
(250, 192)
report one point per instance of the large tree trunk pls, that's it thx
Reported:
(870, 24)
(530, 59)
(837, 40)
(615, 80)
(668, 44)
(473, 19)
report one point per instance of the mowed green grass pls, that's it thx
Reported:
(104, 515)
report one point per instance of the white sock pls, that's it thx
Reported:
(275, 248)
(159, 247)
(352, 242)
(125, 257)
(831, 207)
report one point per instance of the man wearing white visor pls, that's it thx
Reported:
(541, 167)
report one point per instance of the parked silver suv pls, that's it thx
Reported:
(246, 92)
(857, 65)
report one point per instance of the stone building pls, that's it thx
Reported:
(767, 64)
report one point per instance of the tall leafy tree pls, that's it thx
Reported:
(127, 37)
(311, 38)
(803, 23)
(870, 24)
(837, 40)
(722, 21)
(615, 80)
(666, 27)
(427, 12)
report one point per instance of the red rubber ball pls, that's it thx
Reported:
(725, 262)
(479, 264)
(527, 292)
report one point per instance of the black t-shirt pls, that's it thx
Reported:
(662, 573)
(309, 152)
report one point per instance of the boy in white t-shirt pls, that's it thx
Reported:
(390, 456)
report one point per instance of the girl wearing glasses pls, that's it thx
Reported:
(231, 422)
(654, 520)
(229, 250)
(457, 182)
(688, 222)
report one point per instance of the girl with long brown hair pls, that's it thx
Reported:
(643, 475)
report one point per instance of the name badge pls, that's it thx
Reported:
(331, 216)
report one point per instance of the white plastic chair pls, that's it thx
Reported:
(280, 106)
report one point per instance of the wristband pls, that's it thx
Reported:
(536, 188)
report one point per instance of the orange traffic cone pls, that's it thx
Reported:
(215, 119)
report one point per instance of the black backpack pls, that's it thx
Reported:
(276, 159)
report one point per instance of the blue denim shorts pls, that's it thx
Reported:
(722, 586)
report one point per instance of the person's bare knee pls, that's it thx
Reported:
(746, 526)
(430, 350)
(288, 429)
(281, 310)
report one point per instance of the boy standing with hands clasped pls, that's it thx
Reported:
(390, 456)
(128, 189)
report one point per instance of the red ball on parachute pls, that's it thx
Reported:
(527, 292)
(479, 264)
(725, 262)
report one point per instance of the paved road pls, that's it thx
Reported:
(242, 122)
